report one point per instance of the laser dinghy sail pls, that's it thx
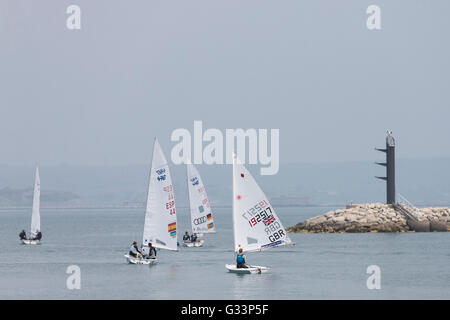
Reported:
(160, 225)
(201, 215)
(256, 226)
(35, 211)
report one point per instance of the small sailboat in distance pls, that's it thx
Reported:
(201, 215)
(256, 226)
(160, 225)
(35, 230)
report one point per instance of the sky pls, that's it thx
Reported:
(140, 69)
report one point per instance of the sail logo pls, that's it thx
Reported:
(220, 151)
(268, 220)
(194, 181)
(172, 229)
(200, 220)
(161, 176)
(275, 243)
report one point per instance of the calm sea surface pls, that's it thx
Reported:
(319, 266)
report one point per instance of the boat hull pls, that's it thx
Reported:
(250, 270)
(133, 260)
(193, 244)
(33, 242)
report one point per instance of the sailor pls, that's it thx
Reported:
(194, 237)
(38, 235)
(186, 237)
(240, 259)
(149, 252)
(134, 251)
(23, 235)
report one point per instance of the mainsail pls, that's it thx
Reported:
(255, 223)
(160, 227)
(201, 215)
(35, 214)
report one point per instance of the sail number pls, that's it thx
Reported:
(253, 211)
(171, 204)
(262, 212)
(265, 215)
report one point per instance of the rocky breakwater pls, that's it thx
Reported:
(375, 217)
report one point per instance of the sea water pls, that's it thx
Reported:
(319, 266)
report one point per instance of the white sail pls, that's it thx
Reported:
(201, 214)
(255, 223)
(160, 227)
(35, 214)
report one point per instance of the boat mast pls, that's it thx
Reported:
(148, 189)
(189, 193)
(234, 200)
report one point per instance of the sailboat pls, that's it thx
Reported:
(160, 225)
(35, 211)
(256, 226)
(201, 216)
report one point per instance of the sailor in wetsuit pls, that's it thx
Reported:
(186, 237)
(38, 236)
(23, 235)
(134, 251)
(194, 237)
(149, 252)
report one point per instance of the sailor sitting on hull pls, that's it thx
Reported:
(23, 235)
(194, 237)
(186, 237)
(149, 252)
(134, 251)
(240, 260)
(38, 236)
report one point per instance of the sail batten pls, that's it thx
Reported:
(160, 226)
(201, 214)
(255, 223)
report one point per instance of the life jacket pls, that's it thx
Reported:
(240, 258)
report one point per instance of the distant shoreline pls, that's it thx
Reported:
(139, 207)
(119, 207)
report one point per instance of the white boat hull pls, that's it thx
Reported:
(250, 270)
(193, 244)
(27, 241)
(133, 260)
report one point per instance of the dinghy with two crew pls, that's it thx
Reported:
(160, 226)
(201, 215)
(256, 226)
(35, 231)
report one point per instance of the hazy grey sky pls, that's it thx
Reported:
(138, 69)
